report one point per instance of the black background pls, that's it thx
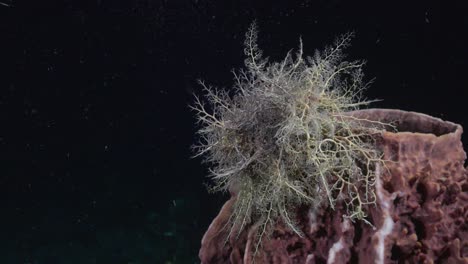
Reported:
(95, 130)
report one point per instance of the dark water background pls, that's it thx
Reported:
(94, 125)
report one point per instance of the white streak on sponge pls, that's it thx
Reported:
(387, 225)
(337, 246)
(333, 250)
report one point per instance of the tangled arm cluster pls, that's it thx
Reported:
(283, 140)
